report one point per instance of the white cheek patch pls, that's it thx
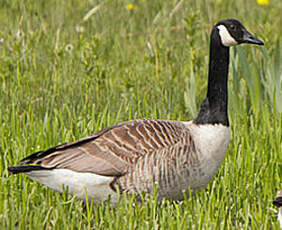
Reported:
(226, 38)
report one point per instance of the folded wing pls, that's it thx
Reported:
(108, 152)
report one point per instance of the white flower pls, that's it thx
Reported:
(79, 29)
(19, 34)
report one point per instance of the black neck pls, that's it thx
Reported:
(214, 108)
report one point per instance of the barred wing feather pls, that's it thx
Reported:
(111, 151)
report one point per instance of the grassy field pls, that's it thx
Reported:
(67, 71)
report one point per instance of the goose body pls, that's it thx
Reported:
(135, 156)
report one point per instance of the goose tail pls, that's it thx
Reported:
(25, 168)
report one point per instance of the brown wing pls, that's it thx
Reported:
(110, 151)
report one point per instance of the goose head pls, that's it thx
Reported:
(232, 32)
(278, 200)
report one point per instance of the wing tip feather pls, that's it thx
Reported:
(25, 168)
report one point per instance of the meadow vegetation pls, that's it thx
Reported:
(67, 71)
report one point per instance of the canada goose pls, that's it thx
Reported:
(278, 203)
(134, 156)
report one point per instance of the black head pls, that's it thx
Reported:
(232, 32)
(278, 200)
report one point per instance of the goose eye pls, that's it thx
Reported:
(232, 27)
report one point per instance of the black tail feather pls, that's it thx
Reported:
(26, 168)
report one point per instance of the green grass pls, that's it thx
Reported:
(149, 62)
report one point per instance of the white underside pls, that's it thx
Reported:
(96, 186)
